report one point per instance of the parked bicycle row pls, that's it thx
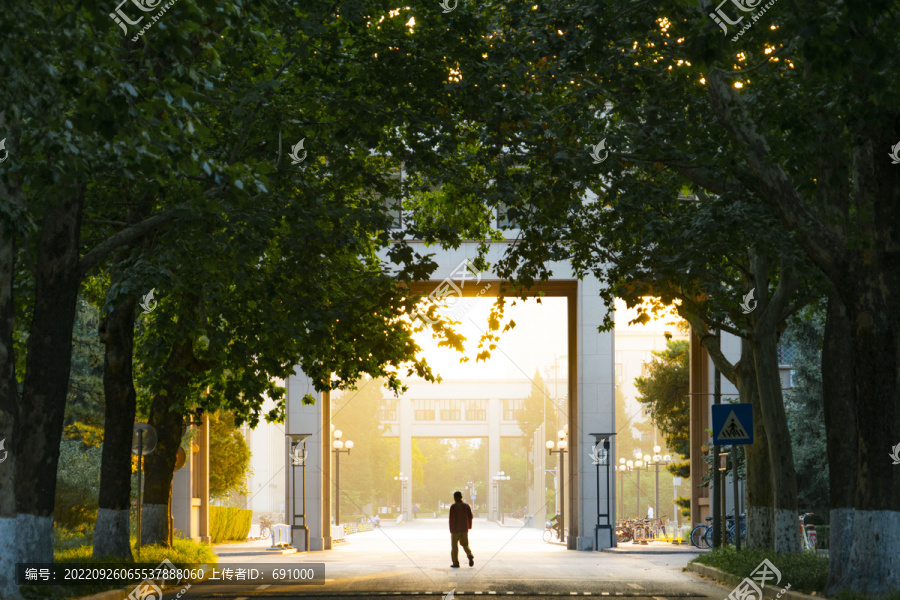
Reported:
(640, 529)
(702, 534)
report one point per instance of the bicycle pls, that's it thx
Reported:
(729, 530)
(660, 524)
(642, 531)
(624, 532)
(808, 538)
(698, 535)
(550, 530)
(265, 527)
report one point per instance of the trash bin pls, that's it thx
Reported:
(529, 521)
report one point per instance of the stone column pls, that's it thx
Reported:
(494, 414)
(405, 406)
(326, 469)
(699, 404)
(203, 468)
(539, 501)
(182, 495)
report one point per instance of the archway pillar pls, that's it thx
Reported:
(306, 419)
(591, 409)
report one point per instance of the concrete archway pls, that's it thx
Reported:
(590, 408)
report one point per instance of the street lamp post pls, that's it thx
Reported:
(400, 478)
(340, 447)
(658, 460)
(561, 450)
(637, 465)
(499, 478)
(297, 449)
(622, 468)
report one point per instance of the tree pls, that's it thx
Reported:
(635, 232)
(538, 406)
(367, 473)
(229, 457)
(805, 410)
(665, 392)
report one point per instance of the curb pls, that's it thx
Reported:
(121, 594)
(108, 595)
(644, 552)
(727, 579)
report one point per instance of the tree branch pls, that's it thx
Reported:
(694, 309)
(825, 247)
(243, 135)
(126, 236)
(706, 180)
(105, 222)
(708, 341)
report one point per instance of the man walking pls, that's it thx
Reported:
(460, 524)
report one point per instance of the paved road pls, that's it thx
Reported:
(413, 560)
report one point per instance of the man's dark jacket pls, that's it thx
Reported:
(460, 517)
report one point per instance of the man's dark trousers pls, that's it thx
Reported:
(463, 540)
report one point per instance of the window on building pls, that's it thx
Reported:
(425, 410)
(786, 353)
(395, 211)
(513, 408)
(619, 371)
(476, 410)
(451, 410)
(504, 221)
(387, 410)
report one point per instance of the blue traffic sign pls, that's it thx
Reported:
(732, 424)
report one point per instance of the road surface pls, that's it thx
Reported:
(413, 559)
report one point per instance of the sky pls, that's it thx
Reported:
(537, 340)
(539, 336)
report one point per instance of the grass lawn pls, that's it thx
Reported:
(805, 572)
(76, 547)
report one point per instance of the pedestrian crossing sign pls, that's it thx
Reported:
(732, 424)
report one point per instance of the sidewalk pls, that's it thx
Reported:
(654, 548)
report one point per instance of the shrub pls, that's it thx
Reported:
(228, 523)
(77, 484)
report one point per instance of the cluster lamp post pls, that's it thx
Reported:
(402, 480)
(498, 479)
(561, 450)
(658, 460)
(339, 448)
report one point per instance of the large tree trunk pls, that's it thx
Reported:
(781, 456)
(49, 356)
(840, 431)
(8, 411)
(111, 531)
(167, 418)
(760, 493)
(873, 564)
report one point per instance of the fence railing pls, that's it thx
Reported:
(281, 534)
(356, 527)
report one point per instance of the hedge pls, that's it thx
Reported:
(823, 537)
(229, 523)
